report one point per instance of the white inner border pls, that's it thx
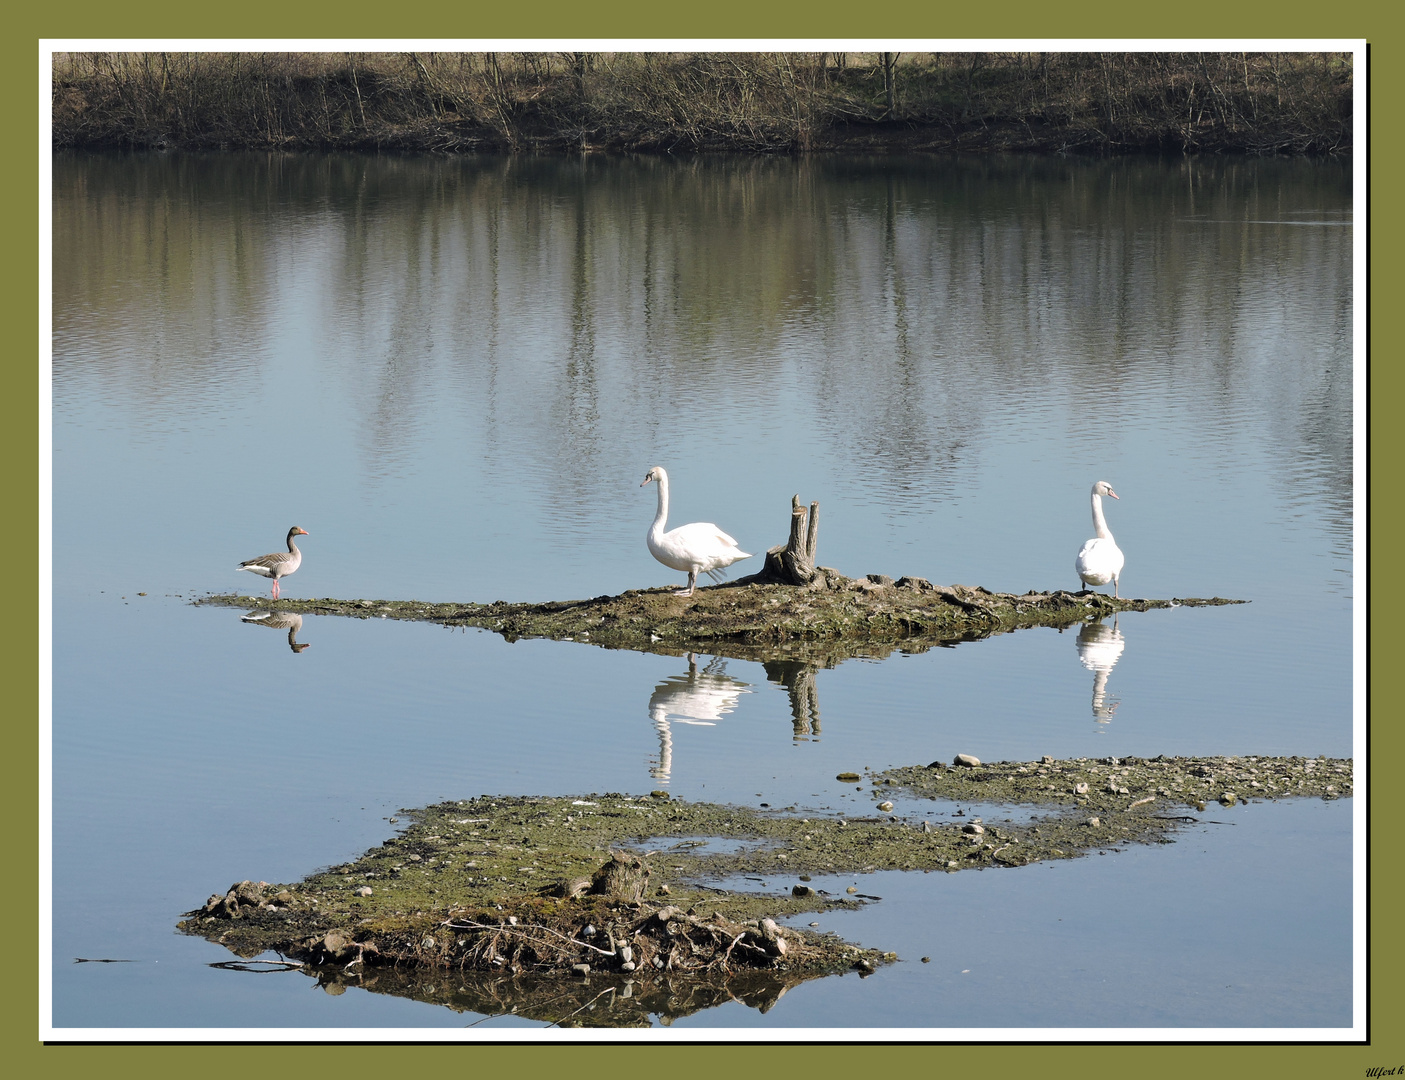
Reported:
(1355, 1034)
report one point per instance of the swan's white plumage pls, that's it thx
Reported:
(1100, 560)
(698, 547)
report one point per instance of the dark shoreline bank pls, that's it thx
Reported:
(666, 103)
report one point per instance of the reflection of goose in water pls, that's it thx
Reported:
(699, 697)
(1099, 647)
(1100, 559)
(700, 547)
(279, 620)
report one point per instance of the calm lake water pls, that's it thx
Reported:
(454, 375)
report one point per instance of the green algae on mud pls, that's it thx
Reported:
(503, 903)
(746, 615)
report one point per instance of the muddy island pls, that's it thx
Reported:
(790, 606)
(833, 608)
(612, 909)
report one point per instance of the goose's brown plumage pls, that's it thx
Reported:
(278, 565)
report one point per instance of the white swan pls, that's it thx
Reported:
(1100, 559)
(698, 547)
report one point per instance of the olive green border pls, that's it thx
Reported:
(615, 19)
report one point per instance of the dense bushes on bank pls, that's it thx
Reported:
(761, 101)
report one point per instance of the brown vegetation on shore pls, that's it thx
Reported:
(692, 101)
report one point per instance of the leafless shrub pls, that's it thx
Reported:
(755, 101)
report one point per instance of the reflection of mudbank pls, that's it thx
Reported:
(798, 678)
(605, 1000)
(1099, 647)
(279, 620)
(699, 697)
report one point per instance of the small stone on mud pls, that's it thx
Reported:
(1094, 822)
(1080, 789)
(885, 806)
(926, 959)
(851, 889)
(802, 890)
(1228, 798)
(365, 890)
(848, 777)
(972, 827)
(968, 760)
(658, 795)
(580, 969)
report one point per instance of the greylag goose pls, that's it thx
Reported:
(278, 565)
(698, 547)
(1100, 559)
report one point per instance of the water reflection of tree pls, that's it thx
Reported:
(547, 307)
(703, 695)
(798, 678)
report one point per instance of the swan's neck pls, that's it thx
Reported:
(656, 530)
(1099, 522)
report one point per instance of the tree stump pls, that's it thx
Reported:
(793, 563)
(622, 879)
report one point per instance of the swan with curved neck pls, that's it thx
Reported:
(278, 565)
(1100, 559)
(699, 547)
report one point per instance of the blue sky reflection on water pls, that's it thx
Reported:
(457, 407)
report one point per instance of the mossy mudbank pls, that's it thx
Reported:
(832, 608)
(545, 905)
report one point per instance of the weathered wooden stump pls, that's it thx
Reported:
(623, 879)
(793, 563)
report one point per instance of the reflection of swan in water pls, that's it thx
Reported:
(279, 620)
(700, 547)
(1099, 647)
(699, 697)
(1100, 560)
